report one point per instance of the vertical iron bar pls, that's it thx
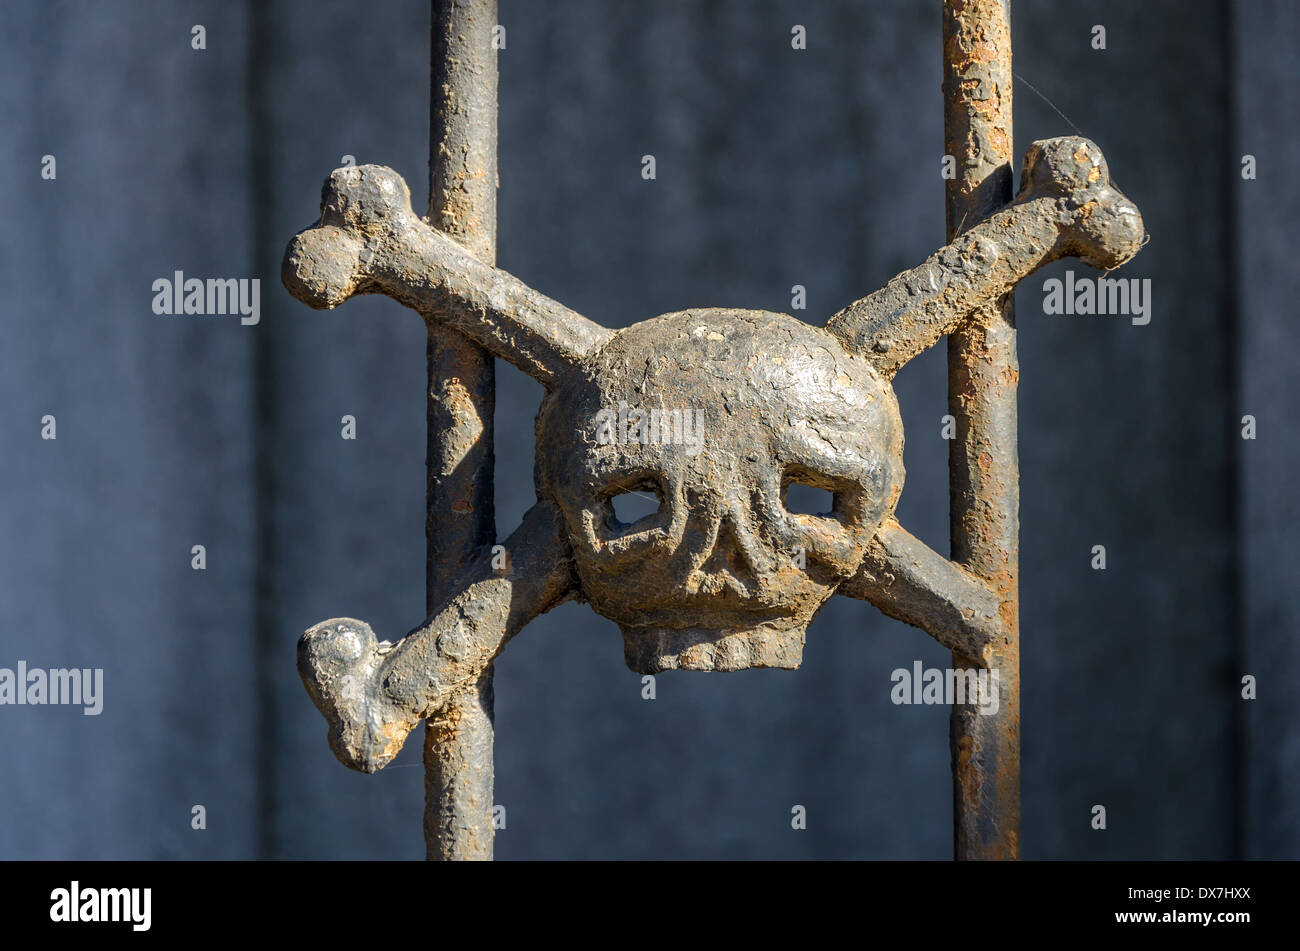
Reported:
(458, 747)
(984, 470)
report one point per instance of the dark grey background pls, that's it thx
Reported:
(775, 168)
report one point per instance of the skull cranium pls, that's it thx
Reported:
(723, 576)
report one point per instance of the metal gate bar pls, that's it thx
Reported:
(983, 463)
(458, 743)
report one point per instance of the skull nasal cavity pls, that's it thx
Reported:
(729, 553)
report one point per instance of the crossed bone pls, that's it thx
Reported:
(369, 240)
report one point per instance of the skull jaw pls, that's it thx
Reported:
(652, 649)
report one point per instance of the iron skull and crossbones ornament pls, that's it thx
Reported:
(723, 576)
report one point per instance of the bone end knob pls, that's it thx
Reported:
(1104, 228)
(338, 661)
(326, 264)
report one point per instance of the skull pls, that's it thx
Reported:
(715, 413)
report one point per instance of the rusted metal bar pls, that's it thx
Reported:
(984, 472)
(458, 747)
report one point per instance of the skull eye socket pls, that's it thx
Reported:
(631, 507)
(807, 492)
(631, 501)
(804, 499)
